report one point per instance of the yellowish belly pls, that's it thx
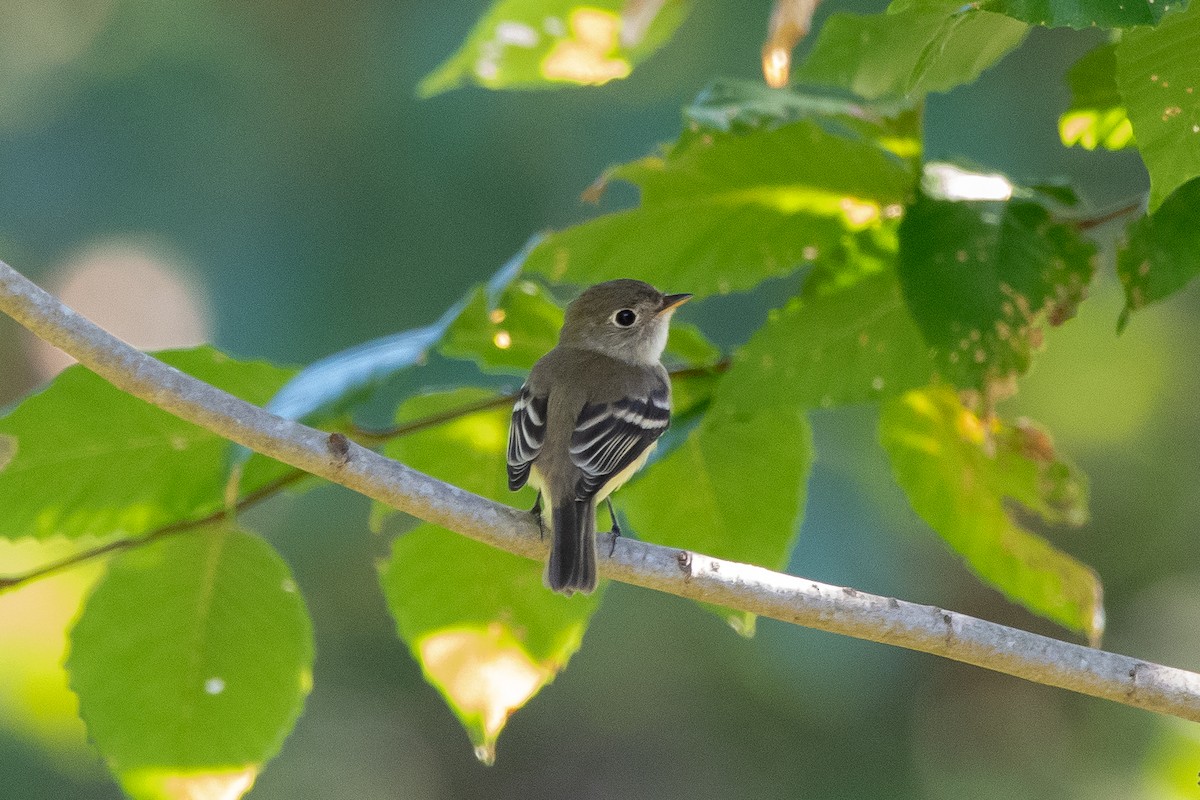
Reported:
(614, 483)
(618, 480)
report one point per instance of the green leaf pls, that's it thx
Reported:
(462, 451)
(508, 334)
(913, 49)
(1159, 78)
(847, 345)
(982, 278)
(686, 344)
(191, 660)
(1096, 116)
(92, 460)
(958, 472)
(729, 105)
(487, 633)
(721, 212)
(1084, 13)
(1161, 253)
(543, 44)
(734, 488)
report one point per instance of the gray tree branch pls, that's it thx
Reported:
(695, 576)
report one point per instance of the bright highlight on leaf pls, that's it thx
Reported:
(191, 660)
(541, 44)
(1097, 115)
(1091, 129)
(486, 675)
(723, 210)
(36, 704)
(949, 182)
(156, 784)
(586, 55)
(959, 471)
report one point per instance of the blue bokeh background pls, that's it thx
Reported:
(273, 160)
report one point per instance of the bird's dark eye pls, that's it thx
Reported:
(625, 317)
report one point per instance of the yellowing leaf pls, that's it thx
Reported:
(542, 44)
(485, 674)
(587, 55)
(960, 471)
(156, 784)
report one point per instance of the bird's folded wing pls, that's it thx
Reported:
(608, 437)
(526, 433)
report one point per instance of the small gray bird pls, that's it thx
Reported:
(589, 417)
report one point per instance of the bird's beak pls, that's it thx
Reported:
(674, 301)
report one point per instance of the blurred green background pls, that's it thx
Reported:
(262, 176)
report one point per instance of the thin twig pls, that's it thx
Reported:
(171, 529)
(361, 435)
(1095, 222)
(367, 436)
(1040, 659)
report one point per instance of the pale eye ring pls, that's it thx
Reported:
(625, 317)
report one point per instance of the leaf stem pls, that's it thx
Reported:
(360, 435)
(170, 529)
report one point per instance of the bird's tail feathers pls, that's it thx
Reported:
(572, 564)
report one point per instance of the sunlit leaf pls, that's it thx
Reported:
(721, 212)
(92, 460)
(1096, 116)
(850, 345)
(191, 660)
(733, 489)
(507, 334)
(959, 471)
(1159, 78)
(539, 44)
(511, 334)
(1161, 254)
(487, 633)
(914, 48)
(729, 105)
(983, 278)
(1084, 13)
(36, 703)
